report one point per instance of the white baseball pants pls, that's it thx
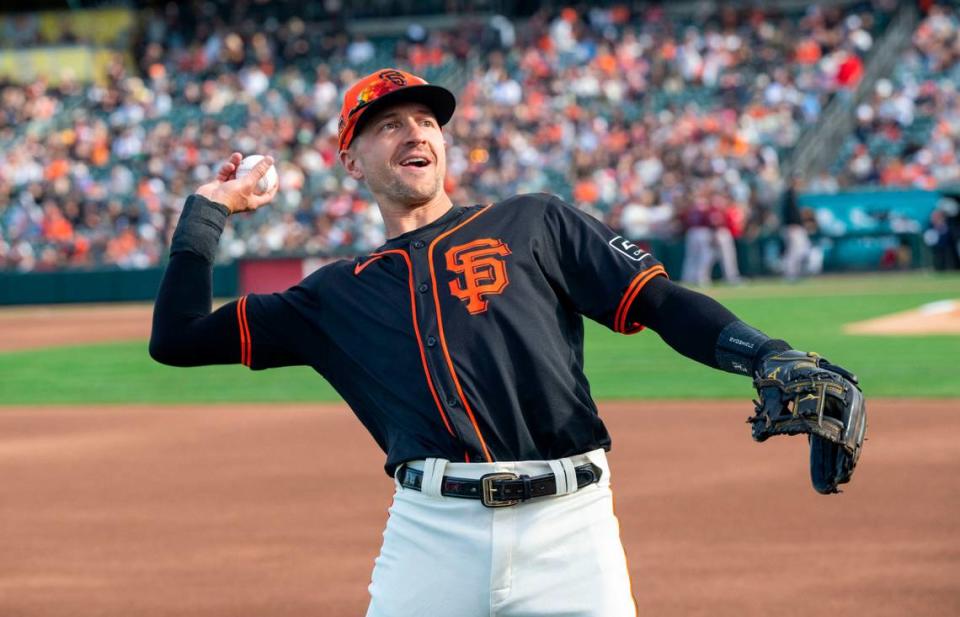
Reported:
(551, 556)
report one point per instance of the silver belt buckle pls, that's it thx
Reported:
(488, 494)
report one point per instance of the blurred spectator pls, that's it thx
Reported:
(944, 241)
(699, 256)
(796, 238)
(727, 220)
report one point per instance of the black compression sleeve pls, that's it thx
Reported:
(185, 332)
(701, 328)
(688, 321)
(199, 228)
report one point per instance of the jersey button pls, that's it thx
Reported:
(452, 401)
(423, 288)
(431, 341)
(419, 244)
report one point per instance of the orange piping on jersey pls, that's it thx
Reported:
(620, 318)
(443, 339)
(628, 299)
(246, 330)
(623, 305)
(416, 329)
(245, 341)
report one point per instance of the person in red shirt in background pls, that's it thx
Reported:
(850, 70)
(727, 221)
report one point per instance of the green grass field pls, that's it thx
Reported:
(810, 315)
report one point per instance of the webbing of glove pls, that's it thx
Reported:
(802, 392)
(798, 406)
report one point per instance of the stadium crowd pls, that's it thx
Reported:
(653, 123)
(908, 133)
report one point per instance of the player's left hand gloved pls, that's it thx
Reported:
(801, 392)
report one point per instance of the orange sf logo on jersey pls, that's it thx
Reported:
(481, 271)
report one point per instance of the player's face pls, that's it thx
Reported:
(400, 154)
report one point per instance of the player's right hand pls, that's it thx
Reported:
(239, 195)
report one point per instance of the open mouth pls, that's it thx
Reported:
(415, 161)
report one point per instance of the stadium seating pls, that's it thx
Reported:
(625, 113)
(908, 133)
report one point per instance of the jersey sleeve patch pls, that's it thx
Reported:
(628, 249)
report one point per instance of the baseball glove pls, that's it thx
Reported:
(801, 392)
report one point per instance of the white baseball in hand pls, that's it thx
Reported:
(267, 182)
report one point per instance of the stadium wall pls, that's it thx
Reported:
(267, 275)
(104, 285)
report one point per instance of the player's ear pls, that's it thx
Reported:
(351, 163)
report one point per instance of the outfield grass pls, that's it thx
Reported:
(810, 315)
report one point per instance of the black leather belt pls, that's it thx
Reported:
(500, 489)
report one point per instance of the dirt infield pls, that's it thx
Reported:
(51, 326)
(240, 510)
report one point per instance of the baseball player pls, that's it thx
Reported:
(459, 345)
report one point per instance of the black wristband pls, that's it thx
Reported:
(740, 348)
(199, 228)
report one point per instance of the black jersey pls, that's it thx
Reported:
(462, 339)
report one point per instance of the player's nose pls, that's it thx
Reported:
(416, 132)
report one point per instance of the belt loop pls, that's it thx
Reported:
(398, 475)
(527, 487)
(433, 469)
(558, 472)
(571, 475)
